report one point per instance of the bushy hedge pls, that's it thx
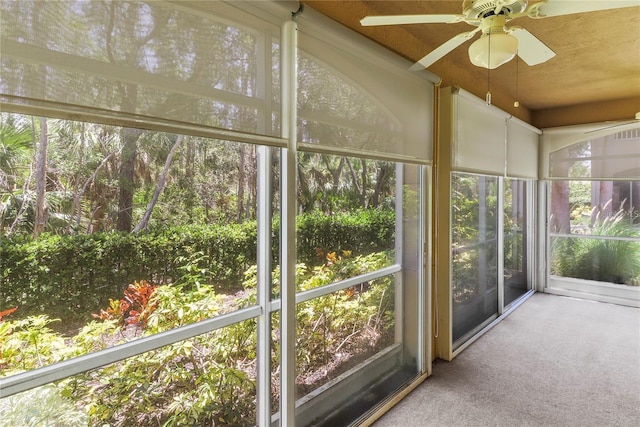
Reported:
(361, 232)
(61, 275)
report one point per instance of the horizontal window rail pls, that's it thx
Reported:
(338, 286)
(67, 368)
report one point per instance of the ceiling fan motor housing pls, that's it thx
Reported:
(493, 24)
(477, 9)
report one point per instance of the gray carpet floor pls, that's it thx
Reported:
(554, 361)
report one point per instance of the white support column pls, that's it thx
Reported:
(264, 214)
(288, 227)
(421, 319)
(424, 273)
(531, 203)
(543, 256)
(263, 411)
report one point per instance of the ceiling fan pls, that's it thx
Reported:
(497, 44)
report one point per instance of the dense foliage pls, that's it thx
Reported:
(209, 379)
(57, 274)
(601, 259)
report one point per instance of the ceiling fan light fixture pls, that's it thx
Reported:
(502, 50)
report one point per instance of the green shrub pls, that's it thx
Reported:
(29, 343)
(604, 260)
(69, 277)
(362, 232)
(206, 380)
(354, 321)
(52, 409)
(197, 381)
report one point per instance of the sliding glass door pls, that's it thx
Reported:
(490, 269)
(516, 240)
(474, 213)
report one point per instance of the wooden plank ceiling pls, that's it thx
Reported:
(594, 77)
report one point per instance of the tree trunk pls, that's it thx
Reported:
(606, 198)
(560, 221)
(335, 173)
(356, 183)
(365, 183)
(305, 199)
(380, 181)
(159, 187)
(241, 179)
(126, 178)
(252, 180)
(41, 180)
(75, 206)
(189, 161)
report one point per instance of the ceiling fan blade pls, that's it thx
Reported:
(442, 50)
(368, 21)
(530, 48)
(567, 7)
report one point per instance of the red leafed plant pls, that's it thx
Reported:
(129, 309)
(7, 312)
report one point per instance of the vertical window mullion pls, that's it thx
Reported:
(424, 315)
(543, 234)
(399, 294)
(264, 197)
(288, 228)
(530, 230)
(264, 287)
(500, 244)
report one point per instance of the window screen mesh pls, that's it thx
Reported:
(203, 66)
(614, 156)
(349, 101)
(487, 140)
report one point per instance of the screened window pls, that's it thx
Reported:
(489, 159)
(594, 233)
(356, 219)
(362, 147)
(129, 234)
(595, 230)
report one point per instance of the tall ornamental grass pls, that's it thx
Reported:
(603, 260)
